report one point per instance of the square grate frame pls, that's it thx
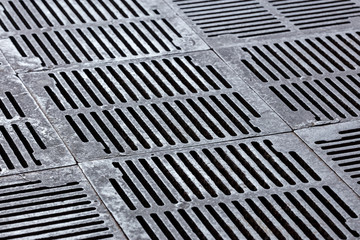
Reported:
(28, 142)
(45, 49)
(19, 16)
(264, 187)
(308, 81)
(229, 23)
(53, 204)
(149, 105)
(338, 146)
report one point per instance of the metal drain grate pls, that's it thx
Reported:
(150, 104)
(339, 146)
(232, 22)
(96, 43)
(319, 14)
(53, 204)
(27, 140)
(258, 188)
(307, 80)
(225, 22)
(19, 15)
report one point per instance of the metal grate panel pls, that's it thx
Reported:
(53, 204)
(149, 105)
(268, 187)
(27, 140)
(232, 22)
(228, 22)
(17, 16)
(339, 146)
(319, 14)
(312, 80)
(99, 43)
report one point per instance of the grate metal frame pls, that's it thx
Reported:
(28, 142)
(53, 204)
(194, 192)
(308, 81)
(338, 145)
(149, 105)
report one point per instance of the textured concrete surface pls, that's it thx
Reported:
(180, 119)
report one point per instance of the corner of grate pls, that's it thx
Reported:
(53, 204)
(97, 43)
(19, 16)
(339, 146)
(264, 187)
(150, 104)
(28, 142)
(308, 80)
